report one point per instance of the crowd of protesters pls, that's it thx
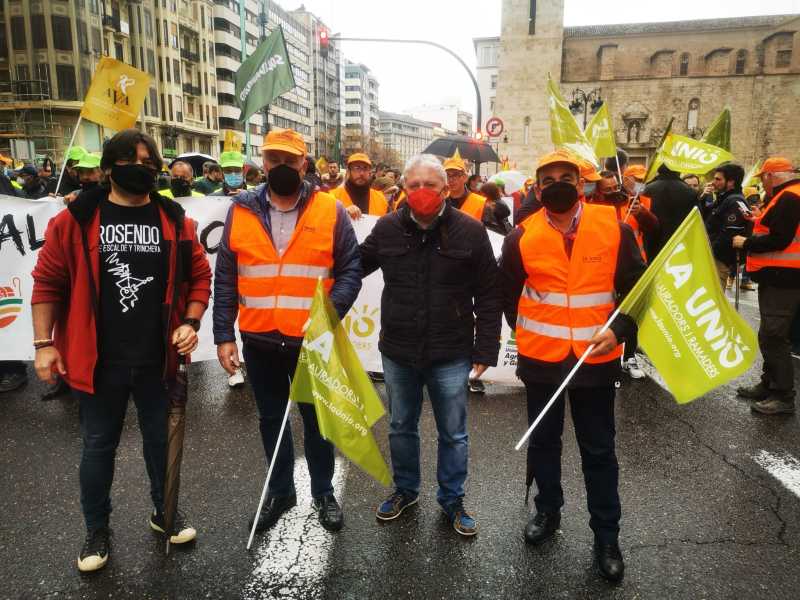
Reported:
(443, 298)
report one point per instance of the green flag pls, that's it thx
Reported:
(564, 130)
(685, 155)
(751, 179)
(719, 132)
(600, 135)
(686, 325)
(265, 75)
(330, 376)
(652, 168)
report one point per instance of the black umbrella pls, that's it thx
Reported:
(468, 148)
(196, 159)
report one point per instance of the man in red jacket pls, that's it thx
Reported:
(120, 286)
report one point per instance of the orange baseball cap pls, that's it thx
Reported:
(775, 164)
(558, 156)
(635, 171)
(287, 140)
(588, 171)
(359, 157)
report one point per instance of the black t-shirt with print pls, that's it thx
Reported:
(133, 267)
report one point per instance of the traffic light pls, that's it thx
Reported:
(478, 136)
(324, 42)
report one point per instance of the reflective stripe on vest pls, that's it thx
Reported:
(473, 205)
(789, 257)
(378, 204)
(276, 292)
(566, 300)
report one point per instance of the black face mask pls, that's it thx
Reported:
(283, 180)
(180, 188)
(136, 180)
(559, 197)
(88, 185)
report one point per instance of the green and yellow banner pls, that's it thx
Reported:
(329, 375)
(600, 134)
(689, 330)
(564, 129)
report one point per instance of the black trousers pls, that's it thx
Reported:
(778, 307)
(592, 411)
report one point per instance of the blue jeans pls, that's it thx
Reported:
(268, 372)
(447, 388)
(102, 415)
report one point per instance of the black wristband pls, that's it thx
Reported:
(195, 323)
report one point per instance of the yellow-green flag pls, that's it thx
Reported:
(330, 376)
(600, 135)
(686, 155)
(564, 130)
(687, 327)
(751, 179)
(719, 132)
(652, 168)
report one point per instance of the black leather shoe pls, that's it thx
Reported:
(330, 513)
(272, 510)
(541, 527)
(609, 561)
(754, 392)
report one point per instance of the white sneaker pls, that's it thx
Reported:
(631, 366)
(236, 379)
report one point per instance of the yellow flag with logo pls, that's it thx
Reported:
(116, 94)
(233, 142)
(599, 133)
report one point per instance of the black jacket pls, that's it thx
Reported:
(630, 267)
(671, 201)
(725, 220)
(440, 298)
(782, 222)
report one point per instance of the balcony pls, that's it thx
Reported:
(191, 90)
(117, 25)
(190, 56)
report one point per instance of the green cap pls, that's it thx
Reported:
(76, 153)
(231, 159)
(90, 160)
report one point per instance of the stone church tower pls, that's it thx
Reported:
(532, 37)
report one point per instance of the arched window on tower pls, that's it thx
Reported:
(684, 68)
(691, 118)
(741, 61)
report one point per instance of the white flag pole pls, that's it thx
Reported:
(64, 162)
(564, 384)
(269, 472)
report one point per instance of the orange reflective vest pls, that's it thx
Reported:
(789, 257)
(473, 206)
(566, 300)
(631, 220)
(275, 292)
(378, 205)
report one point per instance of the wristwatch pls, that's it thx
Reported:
(194, 323)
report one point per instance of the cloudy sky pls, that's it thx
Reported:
(411, 75)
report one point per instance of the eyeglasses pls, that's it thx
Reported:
(360, 168)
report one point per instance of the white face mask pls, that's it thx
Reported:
(588, 189)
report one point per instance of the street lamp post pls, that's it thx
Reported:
(583, 101)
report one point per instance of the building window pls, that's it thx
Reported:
(67, 90)
(691, 118)
(684, 68)
(62, 33)
(176, 70)
(97, 41)
(494, 82)
(741, 60)
(18, 33)
(170, 108)
(38, 33)
(86, 80)
(3, 43)
(153, 102)
(783, 58)
(83, 37)
(119, 52)
(151, 62)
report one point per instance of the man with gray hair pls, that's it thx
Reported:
(773, 260)
(440, 318)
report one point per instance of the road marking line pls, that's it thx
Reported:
(292, 557)
(785, 469)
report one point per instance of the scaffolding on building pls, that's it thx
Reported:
(26, 115)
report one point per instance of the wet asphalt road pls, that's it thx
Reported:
(701, 517)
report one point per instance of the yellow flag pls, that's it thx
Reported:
(321, 164)
(600, 135)
(233, 142)
(116, 94)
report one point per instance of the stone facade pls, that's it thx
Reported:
(649, 73)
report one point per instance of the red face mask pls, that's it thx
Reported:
(425, 202)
